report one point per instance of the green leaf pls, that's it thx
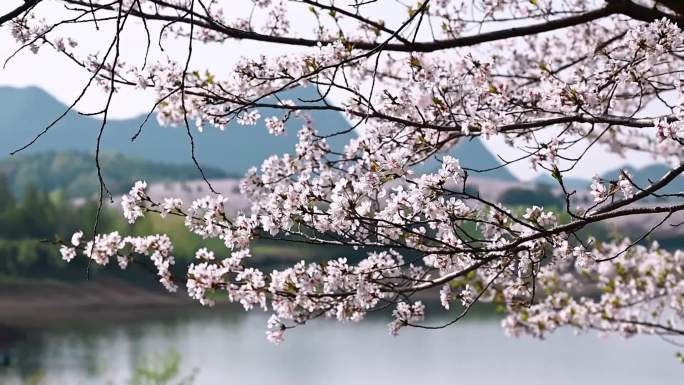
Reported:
(555, 173)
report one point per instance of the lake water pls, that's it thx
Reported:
(229, 347)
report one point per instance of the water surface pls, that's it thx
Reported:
(229, 347)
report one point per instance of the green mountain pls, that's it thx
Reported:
(641, 176)
(75, 174)
(644, 176)
(570, 183)
(24, 112)
(472, 154)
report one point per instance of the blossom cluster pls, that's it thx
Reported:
(636, 290)
(105, 247)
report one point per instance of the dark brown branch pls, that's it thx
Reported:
(432, 46)
(28, 4)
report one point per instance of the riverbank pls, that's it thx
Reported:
(26, 304)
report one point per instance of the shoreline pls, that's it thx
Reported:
(29, 308)
(31, 305)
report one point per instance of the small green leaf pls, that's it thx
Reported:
(556, 174)
(544, 67)
(680, 357)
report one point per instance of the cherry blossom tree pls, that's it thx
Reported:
(552, 78)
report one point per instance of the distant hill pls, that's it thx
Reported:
(26, 111)
(570, 183)
(641, 176)
(644, 176)
(74, 172)
(474, 155)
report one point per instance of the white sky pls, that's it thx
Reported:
(62, 79)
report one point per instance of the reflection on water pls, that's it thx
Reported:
(230, 348)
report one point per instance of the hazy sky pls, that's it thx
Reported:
(64, 80)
